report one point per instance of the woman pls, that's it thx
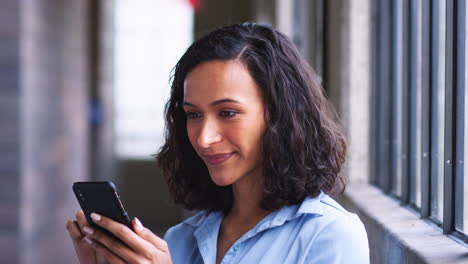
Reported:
(252, 144)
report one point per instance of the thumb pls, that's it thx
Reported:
(149, 236)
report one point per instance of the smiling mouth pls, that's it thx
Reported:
(217, 158)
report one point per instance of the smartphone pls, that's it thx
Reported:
(101, 198)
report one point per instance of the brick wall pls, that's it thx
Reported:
(9, 130)
(43, 126)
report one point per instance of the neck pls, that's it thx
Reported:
(247, 194)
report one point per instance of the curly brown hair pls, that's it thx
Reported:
(303, 147)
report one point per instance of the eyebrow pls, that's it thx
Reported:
(217, 102)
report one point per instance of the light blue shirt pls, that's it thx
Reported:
(317, 231)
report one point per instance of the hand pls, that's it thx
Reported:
(84, 251)
(141, 246)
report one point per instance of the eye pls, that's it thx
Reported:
(228, 113)
(192, 115)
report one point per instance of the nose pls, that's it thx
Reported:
(209, 134)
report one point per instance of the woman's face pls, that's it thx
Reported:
(225, 122)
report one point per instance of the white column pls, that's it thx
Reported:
(284, 16)
(356, 104)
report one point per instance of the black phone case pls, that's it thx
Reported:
(101, 198)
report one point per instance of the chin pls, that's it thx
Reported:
(221, 179)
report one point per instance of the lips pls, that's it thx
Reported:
(217, 158)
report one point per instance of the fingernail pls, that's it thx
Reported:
(89, 241)
(88, 230)
(139, 225)
(95, 217)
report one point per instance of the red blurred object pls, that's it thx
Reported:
(195, 4)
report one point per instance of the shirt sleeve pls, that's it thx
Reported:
(342, 241)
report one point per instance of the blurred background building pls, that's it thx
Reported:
(83, 85)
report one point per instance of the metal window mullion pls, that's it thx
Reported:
(384, 111)
(448, 218)
(373, 128)
(375, 79)
(405, 159)
(425, 110)
(316, 24)
(394, 91)
(324, 42)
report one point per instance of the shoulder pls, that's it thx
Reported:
(335, 212)
(339, 236)
(327, 210)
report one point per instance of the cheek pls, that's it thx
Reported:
(250, 136)
(192, 134)
(256, 137)
(255, 128)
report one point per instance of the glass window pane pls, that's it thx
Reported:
(399, 161)
(441, 114)
(416, 192)
(398, 79)
(461, 181)
(439, 190)
(146, 50)
(417, 153)
(437, 187)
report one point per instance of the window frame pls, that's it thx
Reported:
(394, 79)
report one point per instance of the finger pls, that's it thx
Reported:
(74, 230)
(113, 245)
(124, 233)
(81, 219)
(103, 252)
(149, 236)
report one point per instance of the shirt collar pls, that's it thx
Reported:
(310, 205)
(198, 219)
